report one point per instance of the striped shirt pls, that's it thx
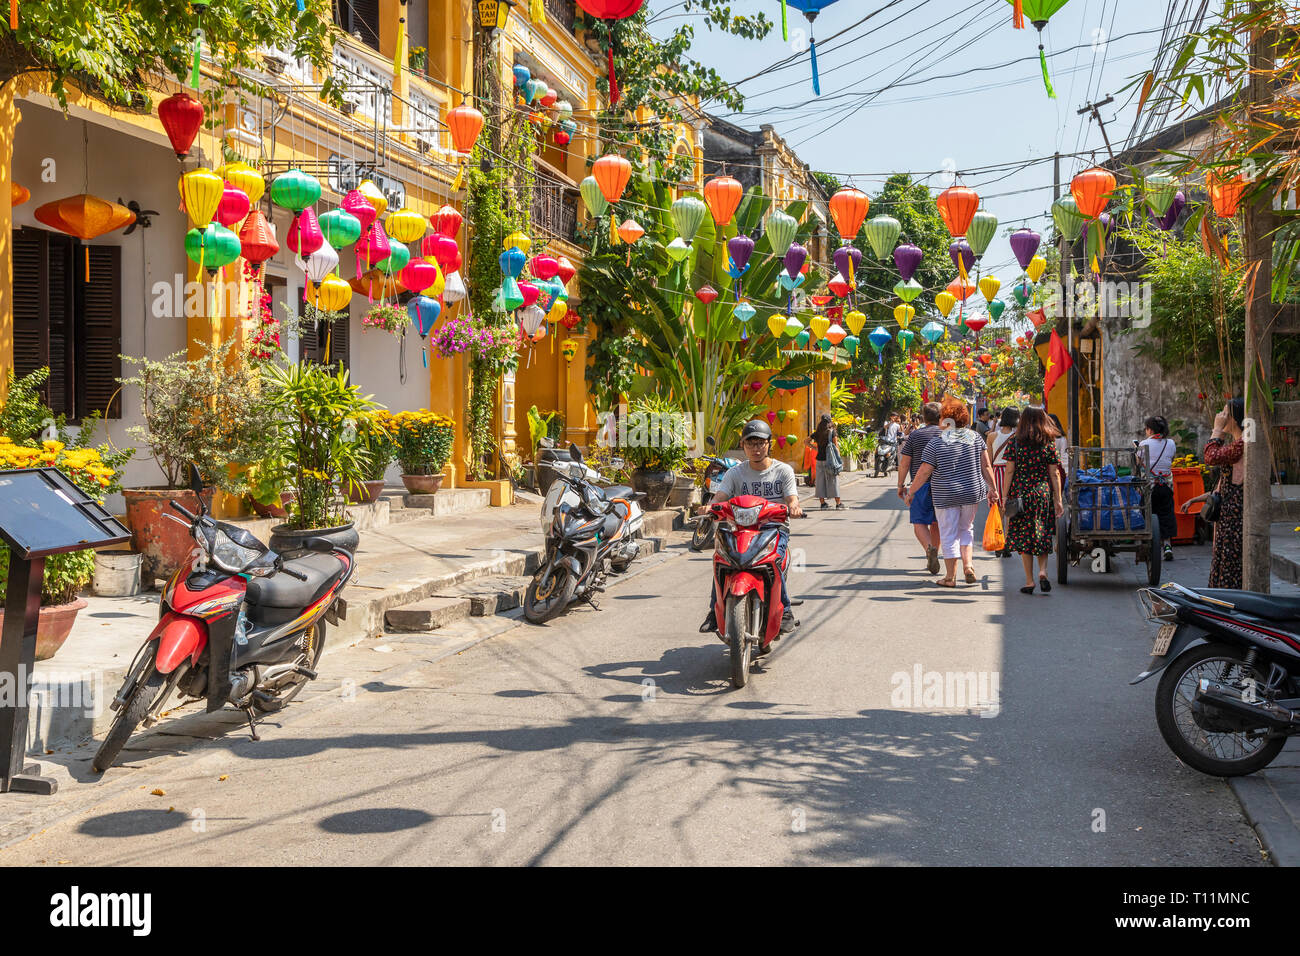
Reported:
(955, 456)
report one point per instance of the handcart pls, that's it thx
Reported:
(1107, 512)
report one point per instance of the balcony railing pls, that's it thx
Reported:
(561, 11)
(555, 212)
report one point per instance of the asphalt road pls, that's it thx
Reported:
(614, 737)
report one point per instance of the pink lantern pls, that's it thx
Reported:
(530, 293)
(417, 275)
(443, 249)
(544, 267)
(233, 207)
(305, 236)
(375, 248)
(771, 417)
(356, 203)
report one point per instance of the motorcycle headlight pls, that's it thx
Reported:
(230, 556)
(746, 516)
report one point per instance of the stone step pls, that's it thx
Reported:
(429, 614)
(494, 595)
(450, 501)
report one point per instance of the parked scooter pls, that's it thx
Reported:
(748, 578)
(241, 626)
(886, 455)
(590, 531)
(1230, 694)
(703, 535)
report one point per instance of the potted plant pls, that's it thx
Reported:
(851, 446)
(267, 483)
(316, 410)
(381, 448)
(208, 412)
(392, 319)
(418, 58)
(655, 449)
(423, 444)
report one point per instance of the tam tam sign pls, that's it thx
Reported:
(346, 175)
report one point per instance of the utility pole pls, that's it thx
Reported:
(1256, 557)
(1095, 110)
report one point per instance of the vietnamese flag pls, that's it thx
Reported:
(1058, 360)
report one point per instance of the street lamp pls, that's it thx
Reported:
(493, 14)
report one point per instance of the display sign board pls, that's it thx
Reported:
(42, 513)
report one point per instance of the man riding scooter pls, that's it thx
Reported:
(762, 477)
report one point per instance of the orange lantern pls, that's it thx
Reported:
(612, 173)
(849, 208)
(630, 231)
(375, 285)
(957, 205)
(18, 194)
(723, 195)
(84, 216)
(1092, 189)
(465, 123)
(961, 291)
(1225, 194)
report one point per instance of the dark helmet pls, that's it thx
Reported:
(756, 429)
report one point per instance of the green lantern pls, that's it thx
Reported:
(212, 247)
(1069, 221)
(596, 202)
(905, 338)
(398, 257)
(882, 233)
(511, 296)
(824, 344)
(295, 190)
(340, 228)
(983, 227)
(850, 345)
(793, 328)
(1097, 236)
(909, 290)
(781, 230)
(1159, 190)
(996, 308)
(678, 250)
(688, 214)
(1023, 291)
(801, 340)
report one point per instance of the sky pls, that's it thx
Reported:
(929, 86)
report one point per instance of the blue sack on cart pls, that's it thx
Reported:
(1102, 504)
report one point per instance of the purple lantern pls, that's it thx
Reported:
(740, 248)
(1107, 223)
(963, 256)
(1167, 221)
(843, 256)
(794, 259)
(1024, 243)
(907, 258)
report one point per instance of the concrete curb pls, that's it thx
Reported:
(1267, 811)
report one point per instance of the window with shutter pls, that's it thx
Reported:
(334, 337)
(31, 304)
(99, 333)
(361, 19)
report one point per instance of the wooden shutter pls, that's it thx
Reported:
(361, 17)
(340, 341)
(99, 333)
(31, 302)
(63, 273)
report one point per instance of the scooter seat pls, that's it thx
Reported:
(617, 491)
(287, 593)
(1270, 607)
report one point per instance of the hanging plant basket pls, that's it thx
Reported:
(386, 318)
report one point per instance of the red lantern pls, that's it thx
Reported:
(611, 10)
(957, 205)
(821, 301)
(465, 124)
(976, 322)
(1038, 317)
(233, 207)
(182, 117)
(706, 294)
(839, 287)
(446, 221)
(544, 267)
(1092, 189)
(567, 270)
(961, 291)
(530, 293)
(561, 138)
(257, 241)
(571, 320)
(442, 248)
(848, 208)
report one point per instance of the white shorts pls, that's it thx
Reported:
(956, 529)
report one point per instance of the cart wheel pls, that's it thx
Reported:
(1062, 549)
(1153, 559)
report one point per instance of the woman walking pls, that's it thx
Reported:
(997, 439)
(1034, 484)
(1226, 451)
(956, 466)
(1156, 452)
(829, 462)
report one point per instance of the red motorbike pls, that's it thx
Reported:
(749, 578)
(242, 625)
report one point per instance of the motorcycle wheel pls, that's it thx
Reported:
(128, 717)
(548, 595)
(309, 658)
(738, 634)
(702, 537)
(1203, 748)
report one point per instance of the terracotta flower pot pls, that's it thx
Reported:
(422, 484)
(164, 544)
(365, 492)
(53, 627)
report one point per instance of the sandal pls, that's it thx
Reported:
(1028, 589)
(946, 583)
(1043, 583)
(970, 576)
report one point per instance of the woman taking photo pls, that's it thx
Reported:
(1227, 452)
(1033, 494)
(828, 476)
(956, 465)
(1156, 453)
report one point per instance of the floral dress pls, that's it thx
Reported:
(1033, 529)
(1225, 565)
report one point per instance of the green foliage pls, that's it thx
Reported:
(65, 575)
(539, 427)
(614, 358)
(23, 416)
(656, 435)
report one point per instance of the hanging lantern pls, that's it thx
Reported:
(360, 208)
(454, 290)
(1037, 266)
(257, 241)
(592, 195)
(418, 275)
(836, 334)
(1024, 243)
(904, 314)
(882, 233)
(855, 320)
(424, 312)
(780, 231)
(847, 259)
(1039, 11)
(18, 194)
(776, 324)
(84, 216)
(294, 190)
(398, 257)
(340, 228)
(849, 208)
(320, 263)
(976, 322)
(739, 249)
(961, 290)
(305, 235)
(1023, 291)
(905, 339)
(375, 248)
(801, 339)
(233, 207)
(723, 195)
(374, 284)
(983, 227)
(1038, 317)
(558, 312)
(678, 250)
(245, 177)
(932, 332)
(944, 302)
(373, 195)
(996, 308)
(688, 215)
(879, 338)
(443, 250)
(962, 255)
(1068, 218)
(819, 325)
(521, 74)
(909, 290)
(1158, 191)
(612, 173)
(957, 205)
(907, 259)
(201, 191)
(706, 294)
(182, 117)
(839, 287)
(530, 293)
(544, 267)
(405, 225)
(851, 346)
(630, 231)
(794, 260)
(512, 262)
(212, 247)
(1092, 190)
(446, 221)
(988, 287)
(1170, 218)
(465, 123)
(331, 295)
(1225, 195)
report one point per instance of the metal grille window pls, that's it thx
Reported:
(366, 85)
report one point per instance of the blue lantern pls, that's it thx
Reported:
(424, 311)
(522, 74)
(512, 262)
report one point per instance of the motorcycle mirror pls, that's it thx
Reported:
(196, 480)
(575, 452)
(708, 440)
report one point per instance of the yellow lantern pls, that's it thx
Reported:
(855, 320)
(406, 225)
(439, 284)
(819, 324)
(375, 196)
(904, 314)
(330, 295)
(1037, 266)
(989, 286)
(558, 312)
(776, 324)
(792, 414)
(245, 177)
(518, 240)
(944, 302)
(201, 191)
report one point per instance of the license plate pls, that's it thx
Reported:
(1166, 634)
(715, 485)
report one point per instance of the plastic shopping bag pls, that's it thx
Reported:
(995, 538)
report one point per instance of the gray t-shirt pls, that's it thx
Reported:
(776, 484)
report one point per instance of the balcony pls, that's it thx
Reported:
(555, 210)
(561, 13)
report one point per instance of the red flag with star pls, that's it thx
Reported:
(1058, 360)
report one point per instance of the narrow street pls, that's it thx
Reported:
(614, 737)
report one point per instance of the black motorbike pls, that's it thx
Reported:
(886, 455)
(584, 540)
(1230, 694)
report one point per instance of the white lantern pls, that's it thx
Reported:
(532, 318)
(320, 263)
(455, 289)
